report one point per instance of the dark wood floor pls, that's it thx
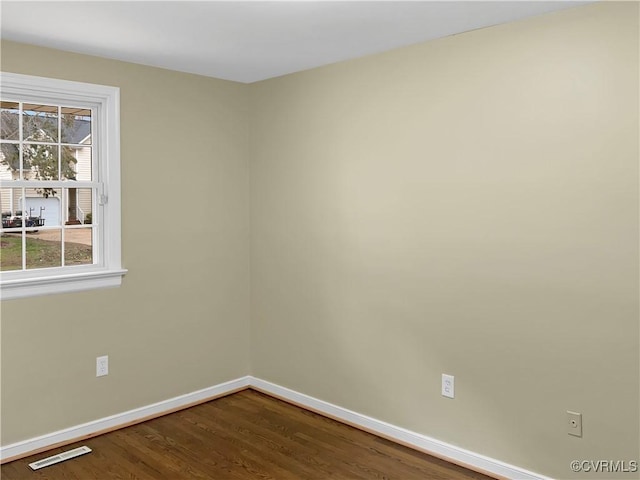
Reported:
(246, 435)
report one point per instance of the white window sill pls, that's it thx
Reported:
(63, 283)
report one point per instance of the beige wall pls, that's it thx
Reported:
(179, 322)
(467, 206)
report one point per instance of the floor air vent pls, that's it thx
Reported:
(61, 457)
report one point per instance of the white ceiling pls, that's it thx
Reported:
(249, 41)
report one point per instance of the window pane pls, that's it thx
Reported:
(10, 205)
(43, 207)
(44, 249)
(9, 120)
(79, 206)
(76, 126)
(40, 162)
(78, 248)
(69, 164)
(10, 251)
(39, 123)
(10, 161)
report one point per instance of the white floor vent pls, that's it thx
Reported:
(61, 457)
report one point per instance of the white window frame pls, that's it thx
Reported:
(107, 270)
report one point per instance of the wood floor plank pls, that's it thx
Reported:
(281, 450)
(244, 436)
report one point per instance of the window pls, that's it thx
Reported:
(59, 186)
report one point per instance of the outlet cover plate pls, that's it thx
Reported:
(102, 366)
(574, 423)
(448, 386)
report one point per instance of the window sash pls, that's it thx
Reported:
(95, 109)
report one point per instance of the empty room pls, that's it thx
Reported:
(315, 239)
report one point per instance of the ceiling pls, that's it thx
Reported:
(249, 41)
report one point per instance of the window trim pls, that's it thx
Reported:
(108, 271)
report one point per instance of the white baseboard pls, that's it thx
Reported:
(426, 444)
(400, 435)
(89, 429)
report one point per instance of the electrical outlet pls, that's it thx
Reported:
(574, 423)
(448, 386)
(102, 366)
